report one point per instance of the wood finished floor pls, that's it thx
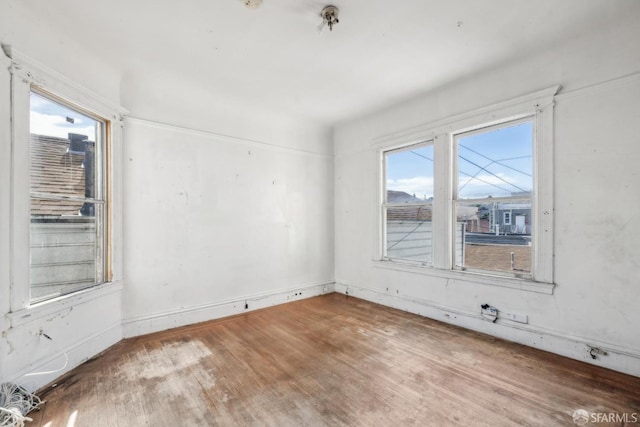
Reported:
(331, 360)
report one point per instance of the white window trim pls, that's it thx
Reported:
(538, 105)
(25, 73)
(506, 214)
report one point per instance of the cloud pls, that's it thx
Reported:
(56, 125)
(421, 186)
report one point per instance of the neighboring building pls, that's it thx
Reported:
(61, 176)
(61, 167)
(507, 218)
(512, 218)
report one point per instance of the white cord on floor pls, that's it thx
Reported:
(15, 403)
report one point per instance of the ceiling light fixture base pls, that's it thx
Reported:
(252, 4)
(329, 16)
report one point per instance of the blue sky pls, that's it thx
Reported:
(50, 119)
(495, 163)
(411, 171)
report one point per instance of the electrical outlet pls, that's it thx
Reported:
(516, 317)
(490, 311)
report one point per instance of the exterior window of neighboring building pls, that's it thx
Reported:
(407, 206)
(507, 218)
(68, 148)
(494, 178)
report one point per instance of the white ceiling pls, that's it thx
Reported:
(381, 52)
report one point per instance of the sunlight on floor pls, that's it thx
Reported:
(72, 419)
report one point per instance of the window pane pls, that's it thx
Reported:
(63, 158)
(409, 181)
(64, 248)
(496, 163)
(484, 240)
(409, 175)
(66, 209)
(409, 233)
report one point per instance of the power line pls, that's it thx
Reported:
(420, 155)
(481, 169)
(486, 182)
(491, 173)
(498, 161)
(472, 177)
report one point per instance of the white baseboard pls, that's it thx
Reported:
(155, 322)
(78, 353)
(620, 359)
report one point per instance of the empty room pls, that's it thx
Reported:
(308, 213)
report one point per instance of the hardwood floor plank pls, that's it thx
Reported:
(334, 361)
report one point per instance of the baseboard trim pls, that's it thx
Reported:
(162, 321)
(77, 354)
(618, 358)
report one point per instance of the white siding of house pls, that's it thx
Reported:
(413, 241)
(63, 256)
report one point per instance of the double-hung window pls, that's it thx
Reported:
(476, 198)
(67, 154)
(65, 201)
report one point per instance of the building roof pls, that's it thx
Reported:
(55, 171)
(409, 213)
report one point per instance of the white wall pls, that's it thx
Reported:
(5, 200)
(213, 221)
(597, 197)
(225, 204)
(44, 40)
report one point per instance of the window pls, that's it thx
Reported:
(507, 218)
(407, 206)
(494, 177)
(65, 201)
(476, 199)
(67, 192)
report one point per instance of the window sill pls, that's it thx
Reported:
(64, 302)
(467, 276)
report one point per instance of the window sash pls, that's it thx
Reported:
(407, 247)
(458, 201)
(62, 268)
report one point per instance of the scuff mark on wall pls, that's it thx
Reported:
(60, 314)
(186, 197)
(9, 343)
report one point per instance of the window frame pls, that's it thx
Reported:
(102, 182)
(456, 200)
(539, 107)
(27, 75)
(506, 217)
